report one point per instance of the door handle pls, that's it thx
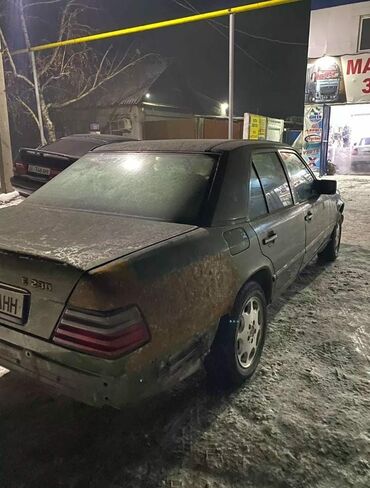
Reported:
(270, 239)
(309, 216)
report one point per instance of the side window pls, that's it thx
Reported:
(273, 179)
(299, 175)
(257, 203)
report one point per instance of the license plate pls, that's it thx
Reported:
(12, 304)
(40, 170)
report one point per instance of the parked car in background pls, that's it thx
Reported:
(150, 258)
(360, 157)
(35, 167)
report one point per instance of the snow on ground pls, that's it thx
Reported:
(7, 198)
(303, 421)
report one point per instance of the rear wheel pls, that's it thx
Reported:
(331, 251)
(238, 345)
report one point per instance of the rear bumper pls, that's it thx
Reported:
(80, 385)
(25, 186)
(359, 159)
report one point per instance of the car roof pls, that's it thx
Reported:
(188, 145)
(77, 145)
(101, 138)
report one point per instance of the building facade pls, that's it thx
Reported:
(337, 96)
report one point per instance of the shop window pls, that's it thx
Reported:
(364, 37)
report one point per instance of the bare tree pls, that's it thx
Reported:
(66, 75)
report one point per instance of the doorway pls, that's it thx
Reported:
(349, 138)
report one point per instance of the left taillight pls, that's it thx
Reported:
(20, 168)
(109, 335)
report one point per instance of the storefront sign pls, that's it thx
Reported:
(312, 134)
(356, 74)
(258, 127)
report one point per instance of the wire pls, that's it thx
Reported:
(192, 9)
(213, 24)
(262, 38)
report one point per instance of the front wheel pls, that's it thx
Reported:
(331, 251)
(239, 341)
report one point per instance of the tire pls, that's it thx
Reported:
(226, 365)
(331, 251)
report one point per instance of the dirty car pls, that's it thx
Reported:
(145, 260)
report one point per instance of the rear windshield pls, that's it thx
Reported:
(162, 186)
(72, 146)
(365, 141)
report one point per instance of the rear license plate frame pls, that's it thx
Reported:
(12, 298)
(39, 170)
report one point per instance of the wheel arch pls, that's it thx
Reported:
(263, 277)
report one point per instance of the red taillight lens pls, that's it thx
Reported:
(20, 168)
(107, 335)
(53, 173)
(355, 151)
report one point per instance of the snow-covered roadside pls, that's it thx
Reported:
(8, 197)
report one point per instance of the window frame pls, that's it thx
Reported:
(278, 210)
(263, 194)
(362, 18)
(296, 202)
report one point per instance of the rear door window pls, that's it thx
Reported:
(300, 177)
(257, 202)
(273, 179)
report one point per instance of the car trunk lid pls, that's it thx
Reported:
(41, 165)
(44, 252)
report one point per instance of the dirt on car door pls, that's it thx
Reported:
(281, 231)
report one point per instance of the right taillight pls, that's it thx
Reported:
(108, 335)
(355, 151)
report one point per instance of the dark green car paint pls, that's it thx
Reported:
(183, 278)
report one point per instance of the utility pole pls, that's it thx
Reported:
(231, 74)
(6, 166)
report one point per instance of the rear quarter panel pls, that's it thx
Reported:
(183, 288)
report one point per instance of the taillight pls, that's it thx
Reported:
(108, 335)
(355, 151)
(53, 173)
(20, 168)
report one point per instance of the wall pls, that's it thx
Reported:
(191, 128)
(334, 31)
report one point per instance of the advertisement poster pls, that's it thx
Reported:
(356, 73)
(263, 128)
(312, 134)
(275, 129)
(324, 81)
(254, 127)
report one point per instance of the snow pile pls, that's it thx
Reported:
(8, 197)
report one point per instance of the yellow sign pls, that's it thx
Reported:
(263, 128)
(254, 127)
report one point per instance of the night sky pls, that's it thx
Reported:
(270, 76)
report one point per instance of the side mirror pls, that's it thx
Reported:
(325, 187)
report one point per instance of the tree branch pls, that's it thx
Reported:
(11, 61)
(29, 110)
(45, 2)
(93, 88)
